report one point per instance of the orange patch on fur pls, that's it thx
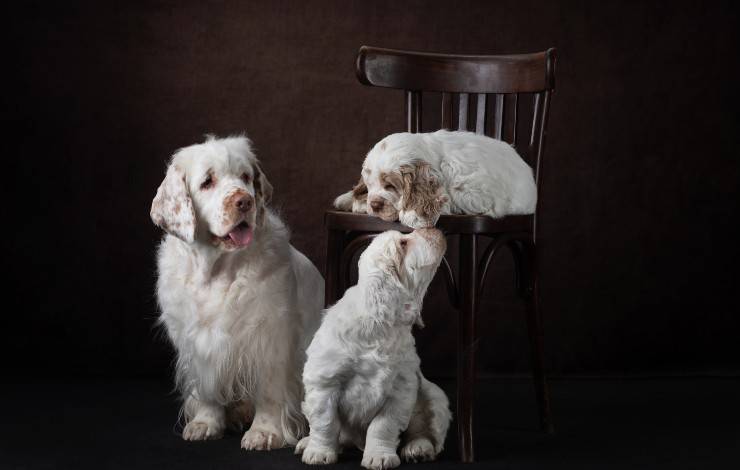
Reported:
(421, 190)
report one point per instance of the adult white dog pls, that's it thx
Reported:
(362, 378)
(414, 178)
(239, 303)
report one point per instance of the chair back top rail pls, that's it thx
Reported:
(424, 71)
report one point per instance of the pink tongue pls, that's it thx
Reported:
(241, 235)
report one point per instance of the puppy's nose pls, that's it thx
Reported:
(377, 204)
(243, 203)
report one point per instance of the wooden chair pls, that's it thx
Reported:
(502, 83)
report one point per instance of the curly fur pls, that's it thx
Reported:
(362, 377)
(238, 302)
(444, 172)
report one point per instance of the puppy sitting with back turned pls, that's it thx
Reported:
(239, 303)
(414, 178)
(362, 378)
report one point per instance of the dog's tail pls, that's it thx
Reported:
(431, 417)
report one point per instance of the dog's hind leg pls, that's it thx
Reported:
(425, 436)
(238, 414)
(384, 432)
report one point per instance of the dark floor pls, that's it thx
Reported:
(645, 423)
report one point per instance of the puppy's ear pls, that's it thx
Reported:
(422, 196)
(384, 289)
(172, 209)
(381, 298)
(262, 187)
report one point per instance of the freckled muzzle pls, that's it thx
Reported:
(379, 207)
(236, 210)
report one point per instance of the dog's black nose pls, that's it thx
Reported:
(243, 203)
(377, 205)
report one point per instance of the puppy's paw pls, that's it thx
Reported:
(380, 461)
(314, 455)
(418, 450)
(343, 202)
(302, 444)
(201, 431)
(258, 439)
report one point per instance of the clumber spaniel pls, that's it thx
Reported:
(362, 377)
(414, 178)
(239, 303)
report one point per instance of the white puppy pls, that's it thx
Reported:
(362, 377)
(416, 177)
(239, 303)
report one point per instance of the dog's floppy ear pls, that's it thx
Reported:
(381, 298)
(384, 291)
(172, 209)
(262, 187)
(422, 198)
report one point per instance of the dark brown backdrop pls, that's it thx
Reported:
(640, 276)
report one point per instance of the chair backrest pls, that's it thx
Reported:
(471, 84)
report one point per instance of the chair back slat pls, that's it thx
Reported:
(537, 109)
(413, 111)
(498, 122)
(480, 114)
(511, 105)
(446, 110)
(462, 112)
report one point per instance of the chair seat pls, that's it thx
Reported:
(450, 224)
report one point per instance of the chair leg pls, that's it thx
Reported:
(334, 242)
(534, 325)
(466, 345)
(536, 341)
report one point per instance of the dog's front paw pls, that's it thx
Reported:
(258, 439)
(201, 431)
(380, 461)
(302, 444)
(343, 202)
(418, 450)
(314, 455)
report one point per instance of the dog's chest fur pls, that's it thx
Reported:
(377, 370)
(211, 314)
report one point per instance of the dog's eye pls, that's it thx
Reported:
(246, 178)
(403, 243)
(207, 183)
(390, 187)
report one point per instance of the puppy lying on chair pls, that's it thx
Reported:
(239, 303)
(362, 377)
(414, 178)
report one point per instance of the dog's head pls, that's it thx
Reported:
(395, 271)
(398, 182)
(214, 192)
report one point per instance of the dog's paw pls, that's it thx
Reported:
(418, 450)
(343, 202)
(380, 461)
(201, 431)
(318, 455)
(302, 444)
(258, 439)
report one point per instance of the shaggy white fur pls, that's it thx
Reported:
(416, 177)
(239, 303)
(362, 377)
